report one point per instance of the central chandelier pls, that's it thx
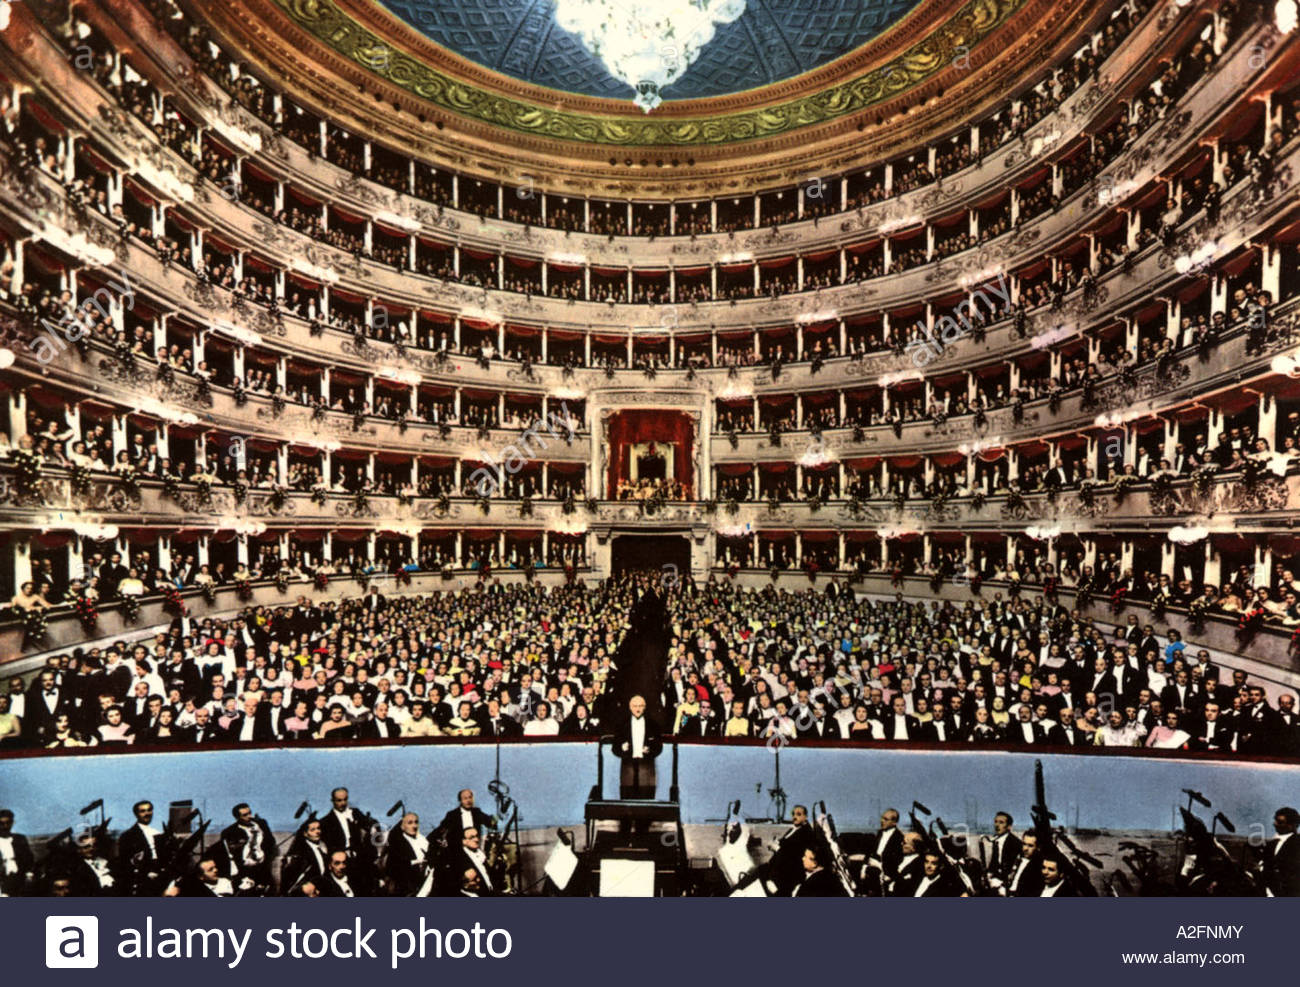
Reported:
(649, 44)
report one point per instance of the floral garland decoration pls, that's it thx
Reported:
(172, 602)
(34, 626)
(87, 612)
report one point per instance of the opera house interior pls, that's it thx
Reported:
(660, 447)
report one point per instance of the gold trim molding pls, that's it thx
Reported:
(956, 36)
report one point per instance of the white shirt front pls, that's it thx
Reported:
(8, 859)
(344, 818)
(480, 863)
(638, 736)
(900, 727)
(150, 836)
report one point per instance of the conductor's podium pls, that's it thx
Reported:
(636, 848)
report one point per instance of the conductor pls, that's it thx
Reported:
(637, 743)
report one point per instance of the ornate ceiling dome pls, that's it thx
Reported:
(755, 93)
(763, 42)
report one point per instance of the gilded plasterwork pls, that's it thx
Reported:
(956, 37)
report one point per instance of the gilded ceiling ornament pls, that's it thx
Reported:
(956, 37)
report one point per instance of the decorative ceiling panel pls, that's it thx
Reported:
(771, 41)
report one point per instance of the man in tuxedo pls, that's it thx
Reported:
(406, 857)
(1180, 693)
(1054, 883)
(1003, 850)
(17, 865)
(938, 878)
(939, 729)
(465, 815)
(494, 722)
(1065, 733)
(379, 726)
(1256, 723)
(373, 602)
(899, 724)
(1213, 732)
(1288, 726)
(819, 880)
(248, 726)
(342, 827)
(203, 731)
(909, 867)
(1282, 856)
(338, 882)
(91, 875)
(637, 743)
(882, 866)
(307, 860)
(271, 717)
(46, 702)
(1025, 878)
(207, 882)
(111, 573)
(469, 855)
(786, 868)
(1023, 731)
(143, 853)
(247, 848)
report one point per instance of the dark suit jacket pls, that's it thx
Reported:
(1031, 881)
(229, 852)
(84, 884)
(1014, 734)
(505, 727)
(913, 726)
(892, 853)
(787, 862)
(38, 716)
(822, 883)
(1282, 869)
(405, 871)
(1001, 863)
(451, 826)
(331, 832)
(908, 877)
(26, 864)
(369, 730)
(301, 866)
(329, 888)
(1223, 735)
(1056, 737)
(269, 725)
(1170, 699)
(133, 853)
(948, 885)
(654, 744)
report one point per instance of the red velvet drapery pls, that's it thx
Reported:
(629, 428)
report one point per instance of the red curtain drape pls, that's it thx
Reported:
(629, 428)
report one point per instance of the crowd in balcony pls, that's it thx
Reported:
(387, 167)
